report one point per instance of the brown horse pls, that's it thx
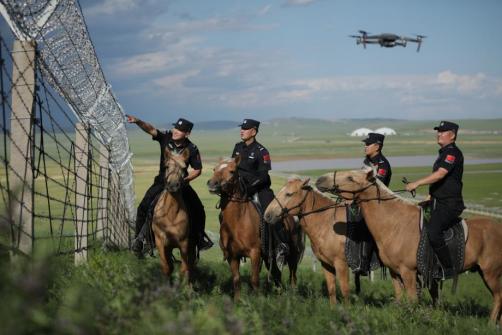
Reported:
(325, 223)
(240, 229)
(393, 222)
(170, 222)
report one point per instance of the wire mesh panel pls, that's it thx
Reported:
(74, 183)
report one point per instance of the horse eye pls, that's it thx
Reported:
(289, 194)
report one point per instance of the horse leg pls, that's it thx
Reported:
(342, 271)
(330, 276)
(410, 284)
(186, 268)
(293, 266)
(236, 277)
(434, 292)
(397, 284)
(492, 282)
(165, 261)
(255, 268)
(357, 280)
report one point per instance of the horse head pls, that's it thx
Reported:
(224, 176)
(347, 184)
(175, 169)
(288, 201)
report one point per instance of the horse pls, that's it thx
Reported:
(170, 221)
(394, 223)
(325, 223)
(240, 229)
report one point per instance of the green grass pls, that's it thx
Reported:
(114, 293)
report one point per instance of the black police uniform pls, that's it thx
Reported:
(382, 167)
(446, 199)
(446, 194)
(192, 201)
(384, 173)
(253, 169)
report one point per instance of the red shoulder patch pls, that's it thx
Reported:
(382, 172)
(450, 159)
(266, 158)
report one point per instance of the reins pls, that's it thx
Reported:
(285, 210)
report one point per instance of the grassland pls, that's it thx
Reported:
(115, 293)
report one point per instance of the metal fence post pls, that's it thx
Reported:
(21, 146)
(103, 194)
(81, 196)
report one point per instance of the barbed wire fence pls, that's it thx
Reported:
(66, 178)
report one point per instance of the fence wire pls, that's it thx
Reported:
(69, 64)
(69, 88)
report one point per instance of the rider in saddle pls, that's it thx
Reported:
(445, 192)
(373, 145)
(177, 141)
(253, 170)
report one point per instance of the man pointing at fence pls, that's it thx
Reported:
(176, 140)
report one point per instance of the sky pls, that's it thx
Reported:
(228, 60)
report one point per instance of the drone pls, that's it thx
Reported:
(387, 40)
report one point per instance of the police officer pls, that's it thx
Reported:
(177, 141)
(253, 169)
(445, 192)
(373, 145)
(375, 159)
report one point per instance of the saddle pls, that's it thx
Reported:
(360, 248)
(427, 262)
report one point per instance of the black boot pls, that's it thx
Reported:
(282, 249)
(204, 242)
(445, 259)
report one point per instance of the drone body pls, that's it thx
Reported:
(386, 40)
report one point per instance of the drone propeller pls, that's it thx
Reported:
(364, 33)
(419, 41)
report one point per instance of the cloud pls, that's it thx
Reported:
(112, 7)
(264, 10)
(291, 3)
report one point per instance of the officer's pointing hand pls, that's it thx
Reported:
(131, 119)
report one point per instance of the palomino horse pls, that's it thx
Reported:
(325, 223)
(393, 222)
(170, 222)
(240, 229)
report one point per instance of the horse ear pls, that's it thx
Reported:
(237, 159)
(305, 184)
(167, 153)
(370, 175)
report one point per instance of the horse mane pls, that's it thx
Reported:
(389, 192)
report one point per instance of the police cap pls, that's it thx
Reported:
(447, 125)
(183, 125)
(250, 123)
(374, 138)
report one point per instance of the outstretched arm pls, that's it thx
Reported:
(145, 126)
(430, 179)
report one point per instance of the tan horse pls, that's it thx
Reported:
(325, 223)
(240, 229)
(170, 222)
(393, 222)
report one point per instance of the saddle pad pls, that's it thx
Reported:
(427, 261)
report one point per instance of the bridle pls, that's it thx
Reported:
(338, 191)
(285, 211)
